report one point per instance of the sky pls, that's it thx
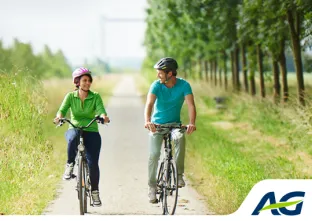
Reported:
(82, 29)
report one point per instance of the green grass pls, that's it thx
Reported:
(249, 141)
(33, 151)
(24, 150)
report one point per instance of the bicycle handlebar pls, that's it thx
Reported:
(182, 127)
(63, 120)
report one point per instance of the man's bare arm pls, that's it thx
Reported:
(191, 112)
(191, 108)
(151, 98)
(149, 106)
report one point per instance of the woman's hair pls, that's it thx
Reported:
(77, 80)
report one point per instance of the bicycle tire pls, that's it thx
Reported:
(170, 196)
(85, 174)
(81, 185)
(160, 182)
(160, 175)
(163, 187)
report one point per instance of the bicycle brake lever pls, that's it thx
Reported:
(59, 125)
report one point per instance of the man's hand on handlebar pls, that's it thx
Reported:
(150, 126)
(190, 128)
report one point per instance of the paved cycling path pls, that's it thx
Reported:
(123, 165)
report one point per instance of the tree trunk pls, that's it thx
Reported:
(260, 69)
(252, 83)
(195, 69)
(200, 67)
(220, 76)
(233, 70)
(211, 72)
(225, 70)
(283, 68)
(236, 68)
(244, 67)
(185, 69)
(277, 85)
(206, 70)
(215, 72)
(294, 25)
(188, 69)
(252, 68)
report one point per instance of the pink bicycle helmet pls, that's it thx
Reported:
(79, 72)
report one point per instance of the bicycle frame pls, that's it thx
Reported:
(166, 184)
(81, 156)
(168, 147)
(83, 175)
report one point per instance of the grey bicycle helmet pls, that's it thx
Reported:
(166, 64)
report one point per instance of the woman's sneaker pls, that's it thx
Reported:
(96, 198)
(68, 171)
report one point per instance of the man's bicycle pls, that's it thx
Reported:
(83, 176)
(167, 179)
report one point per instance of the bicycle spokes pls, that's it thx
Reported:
(170, 190)
(82, 185)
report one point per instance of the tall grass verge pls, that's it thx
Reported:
(24, 149)
(33, 151)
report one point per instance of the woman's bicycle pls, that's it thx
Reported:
(83, 176)
(167, 179)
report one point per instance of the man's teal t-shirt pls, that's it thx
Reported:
(169, 101)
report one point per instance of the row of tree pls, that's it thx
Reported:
(44, 65)
(213, 33)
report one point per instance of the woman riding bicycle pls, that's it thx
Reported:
(83, 104)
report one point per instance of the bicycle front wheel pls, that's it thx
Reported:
(170, 188)
(82, 194)
(86, 186)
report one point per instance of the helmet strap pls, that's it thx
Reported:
(167, 79)
(83, 89)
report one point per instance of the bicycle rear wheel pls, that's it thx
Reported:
(82, 194)
(170, 188)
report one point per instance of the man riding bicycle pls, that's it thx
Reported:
(166, 95)
(83, 104)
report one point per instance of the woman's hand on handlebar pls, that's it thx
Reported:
(105, 119)
(57, 119)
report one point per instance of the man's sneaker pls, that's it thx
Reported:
(68, 171)
(96, 198)
(152, 194)
(181, 182)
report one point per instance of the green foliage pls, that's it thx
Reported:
(208, 30)
(307, 62)
(56, 64)
(24, 150)
(44, 65)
